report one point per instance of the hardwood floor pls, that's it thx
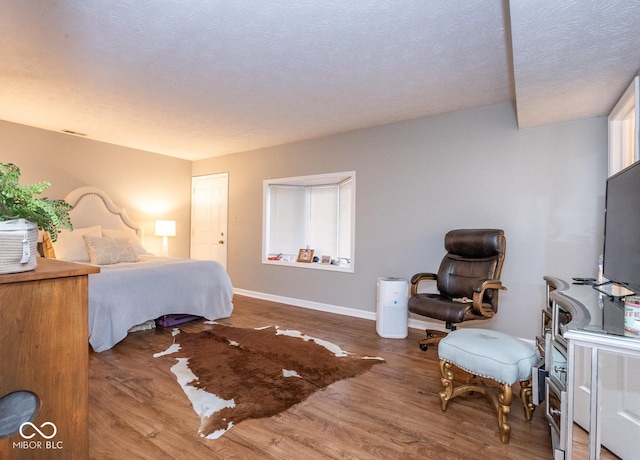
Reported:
(138, 411)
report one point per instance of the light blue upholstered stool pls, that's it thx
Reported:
(493, 355)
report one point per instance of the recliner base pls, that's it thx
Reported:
(432, 338)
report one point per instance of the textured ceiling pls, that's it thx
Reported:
(201, 78)
(572, 59)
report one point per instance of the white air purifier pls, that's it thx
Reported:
(391, 314)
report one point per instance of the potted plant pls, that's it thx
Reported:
(21, 214)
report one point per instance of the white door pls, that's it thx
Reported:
(209, 195)
(619, 377)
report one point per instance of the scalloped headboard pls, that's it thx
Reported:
(92, 206)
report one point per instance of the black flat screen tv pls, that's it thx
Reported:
(621, 255)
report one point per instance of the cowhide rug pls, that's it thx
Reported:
(231, 374)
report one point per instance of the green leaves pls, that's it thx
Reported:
(18, 201)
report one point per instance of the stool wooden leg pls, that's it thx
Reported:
(503, 411)
(501, 400)
(447, 382)
(526, 395)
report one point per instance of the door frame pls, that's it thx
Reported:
(194, 179)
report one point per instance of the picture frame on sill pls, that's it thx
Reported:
(325, 260)
(305, 255)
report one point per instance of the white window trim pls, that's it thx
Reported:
(316, 179)
(623, 151)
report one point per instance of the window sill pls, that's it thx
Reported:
(312, 265)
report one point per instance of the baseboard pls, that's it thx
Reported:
(353, 312)
(328, 308)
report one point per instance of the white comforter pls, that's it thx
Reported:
(124, 295)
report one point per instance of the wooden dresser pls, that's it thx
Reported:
(44, 346)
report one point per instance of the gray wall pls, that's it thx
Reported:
(420, 178)
(415, 181)
(147, 185)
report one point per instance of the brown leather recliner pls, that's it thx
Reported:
(468, 281)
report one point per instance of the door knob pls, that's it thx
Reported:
(221, 242)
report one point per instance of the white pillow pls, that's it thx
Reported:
(129, 234)
(70, 245)
(108, 251)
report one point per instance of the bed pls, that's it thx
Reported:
(133, 286)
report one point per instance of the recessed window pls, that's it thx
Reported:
(312, 213)
(624, 123)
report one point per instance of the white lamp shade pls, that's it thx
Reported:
(165, 228)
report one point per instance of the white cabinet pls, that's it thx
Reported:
(592, 371)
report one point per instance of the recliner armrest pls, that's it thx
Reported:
(478, 295)
(483, 285)
(418, 278)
